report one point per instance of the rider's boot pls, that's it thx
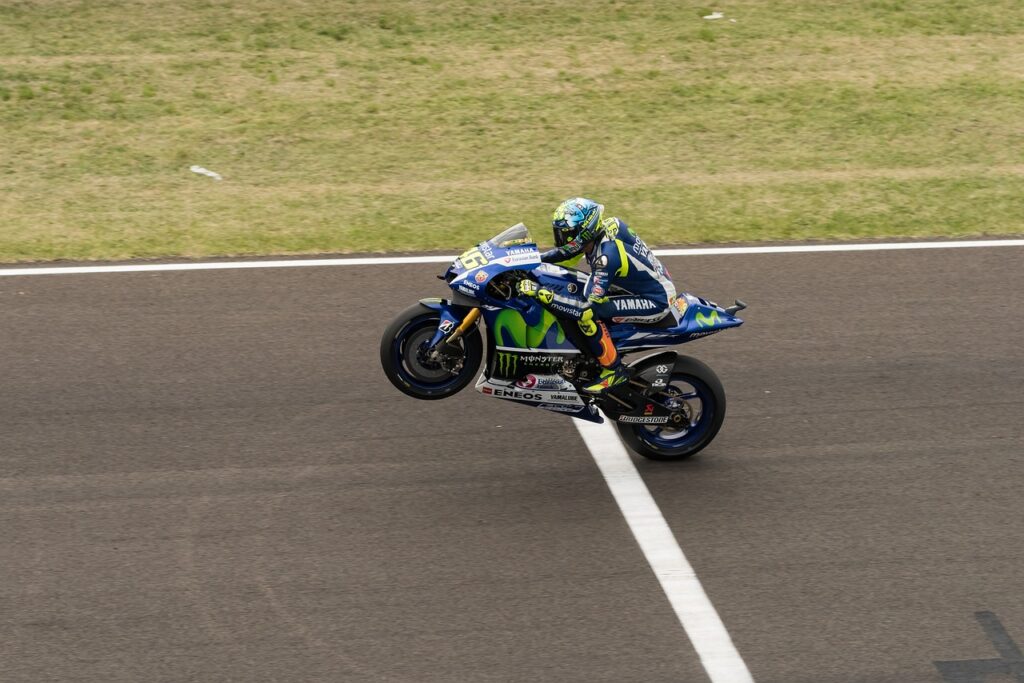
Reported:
(609, 378)
(599, 340)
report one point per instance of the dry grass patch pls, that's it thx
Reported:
(422, 125)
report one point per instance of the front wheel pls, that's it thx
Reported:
(699, 393)
(403, 356)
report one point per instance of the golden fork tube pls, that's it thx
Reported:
(467, 322)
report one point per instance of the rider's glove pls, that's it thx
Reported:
(531, 289)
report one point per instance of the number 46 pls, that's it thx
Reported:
(473, 258)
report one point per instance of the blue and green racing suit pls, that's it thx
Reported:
(627, 284)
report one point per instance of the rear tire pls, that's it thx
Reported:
(409, 372)
(697, 385)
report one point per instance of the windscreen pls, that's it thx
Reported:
(510, 237)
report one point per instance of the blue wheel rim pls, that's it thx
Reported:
(402, 353)
(701, 406)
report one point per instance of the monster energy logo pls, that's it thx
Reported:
(707, 320)
(505, 364)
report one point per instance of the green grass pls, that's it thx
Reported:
(377, 126)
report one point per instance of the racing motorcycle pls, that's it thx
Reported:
(671, 407)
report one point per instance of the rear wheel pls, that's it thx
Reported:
(698, 394)
(407, 365)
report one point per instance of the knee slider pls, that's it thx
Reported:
(587, 324)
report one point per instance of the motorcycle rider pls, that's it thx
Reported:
(627, 282)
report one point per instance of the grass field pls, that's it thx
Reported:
(418, 125)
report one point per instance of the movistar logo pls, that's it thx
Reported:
(707, 320)
(505, 364)
(511, 330)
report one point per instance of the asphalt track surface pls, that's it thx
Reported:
(205, 476)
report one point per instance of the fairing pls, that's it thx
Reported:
(526, 344)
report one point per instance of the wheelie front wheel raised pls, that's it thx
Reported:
(403, 355)
(700, 398)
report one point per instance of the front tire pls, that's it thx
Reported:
(403, 362)
(698, 387)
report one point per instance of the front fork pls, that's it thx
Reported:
(455, 321)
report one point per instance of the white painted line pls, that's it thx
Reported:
(682, 587)
(813, 248)
(225, 265)
(400, 260)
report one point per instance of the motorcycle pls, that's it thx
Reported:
(671, 407)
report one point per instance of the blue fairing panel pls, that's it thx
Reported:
(700, 318)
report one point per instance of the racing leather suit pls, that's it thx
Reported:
(627, 284)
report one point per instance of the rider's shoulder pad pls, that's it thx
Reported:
(611, 227)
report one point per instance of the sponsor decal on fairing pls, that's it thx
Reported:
(518, 393)
(528, 382)
(568, 310)
(522, 259)
(633, 319)
(544, 382)
(559, 408)
(707, 320)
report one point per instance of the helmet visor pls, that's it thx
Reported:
(563, 234)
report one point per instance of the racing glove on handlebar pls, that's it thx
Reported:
(534, 291)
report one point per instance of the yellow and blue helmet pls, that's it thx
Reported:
(575, 223)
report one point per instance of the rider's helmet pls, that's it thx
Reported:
(575, 224)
